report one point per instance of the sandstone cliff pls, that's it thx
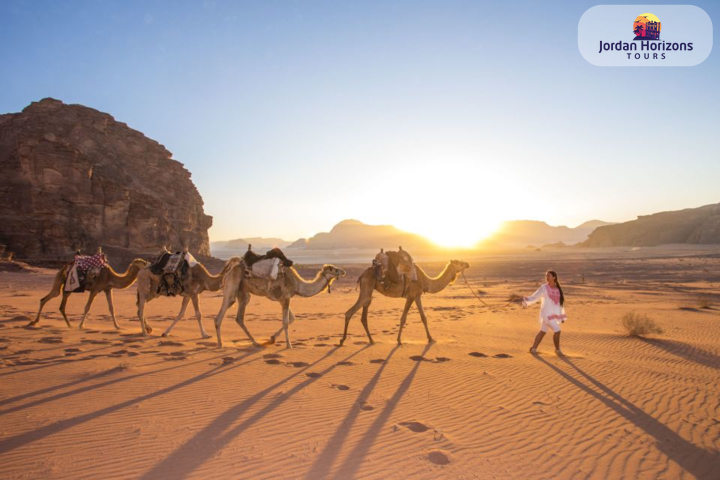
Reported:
(75, 178)
(693, 225)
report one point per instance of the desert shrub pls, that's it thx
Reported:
(703, 302)
(640, 325)
(514, 297)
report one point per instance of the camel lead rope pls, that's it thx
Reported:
(473, 291)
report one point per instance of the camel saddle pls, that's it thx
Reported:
(250, 257)
(394, 267)
(173, 269)
(83, 270)
(268, 266)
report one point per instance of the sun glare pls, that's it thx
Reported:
(464, 205)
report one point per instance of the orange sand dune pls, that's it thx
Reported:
(101, 403)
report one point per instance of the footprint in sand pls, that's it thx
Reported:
(321, 345)
(206, 344)
(179, 357)
(170, 343)
(299, 364)
(4, 340)
(366, 407)
(378, 360)
(23, 352)
(346, 363)
(442, 359)
(97, 342)
(340, 387)
(417, 427)
(313, 375)
(228, 360)
(477, 354)
(502, 355)
(438, 457)
(418, 358)
(273, 355)
(51, 340)
(359, 343)
(273, 361)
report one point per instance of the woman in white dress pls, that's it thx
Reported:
(552, 310)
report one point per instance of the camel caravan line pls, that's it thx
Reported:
(393, 274)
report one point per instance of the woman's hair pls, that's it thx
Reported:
(562, 297)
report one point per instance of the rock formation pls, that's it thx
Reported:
(75, 178)
(693, 226)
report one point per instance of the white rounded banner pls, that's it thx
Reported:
(645, 35)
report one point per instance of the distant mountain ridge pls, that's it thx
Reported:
(521, 233)
(691, 226)
(356, 234)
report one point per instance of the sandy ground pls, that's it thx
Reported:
(101, 403)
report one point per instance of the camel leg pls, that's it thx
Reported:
(89, 303)
(198, 314)
(418, 302)
(63, 303)
(364, 320)
(286, 323)
(146, 329)
(228, 300)
(111, 307)
(185, 302)
(408, 304)
(363, 301)
(243, 300)
(57, 288)
(292, 319)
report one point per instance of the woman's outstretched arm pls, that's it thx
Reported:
(534, 297)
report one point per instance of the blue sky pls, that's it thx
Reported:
(293, 115)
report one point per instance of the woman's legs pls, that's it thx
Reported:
(556, 340)
(538, 339)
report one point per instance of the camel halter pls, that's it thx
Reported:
(328, 282)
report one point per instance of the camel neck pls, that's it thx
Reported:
(313, 287)
(124, 280)
(437, 284)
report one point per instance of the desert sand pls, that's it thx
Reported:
(102, 403)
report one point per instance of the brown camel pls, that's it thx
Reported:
(106, 281)
(413, 294)
(197, 281)
(239, 287)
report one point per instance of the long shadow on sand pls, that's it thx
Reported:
(683, 350)
(697, 461)
(89, 387)
(323, 464)
(355, 458)
(214, 437)
(11, 443)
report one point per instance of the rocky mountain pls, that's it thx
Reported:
(240, 245)
(75, 178)
(355, 234)
(692, 225)
(520, 233)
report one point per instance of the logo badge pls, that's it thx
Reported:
(684, 37)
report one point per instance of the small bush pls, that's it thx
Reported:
(703, 302)
(640, 325)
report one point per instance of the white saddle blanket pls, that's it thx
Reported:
(175, 259)
(267, 268)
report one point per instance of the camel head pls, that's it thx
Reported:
(459, 265)
(139, 263)
(331, 272)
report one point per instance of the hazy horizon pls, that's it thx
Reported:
(435, 117)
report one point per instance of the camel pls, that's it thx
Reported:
(412, 294)
(197, 281)
(106, 281)
(239, 287)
